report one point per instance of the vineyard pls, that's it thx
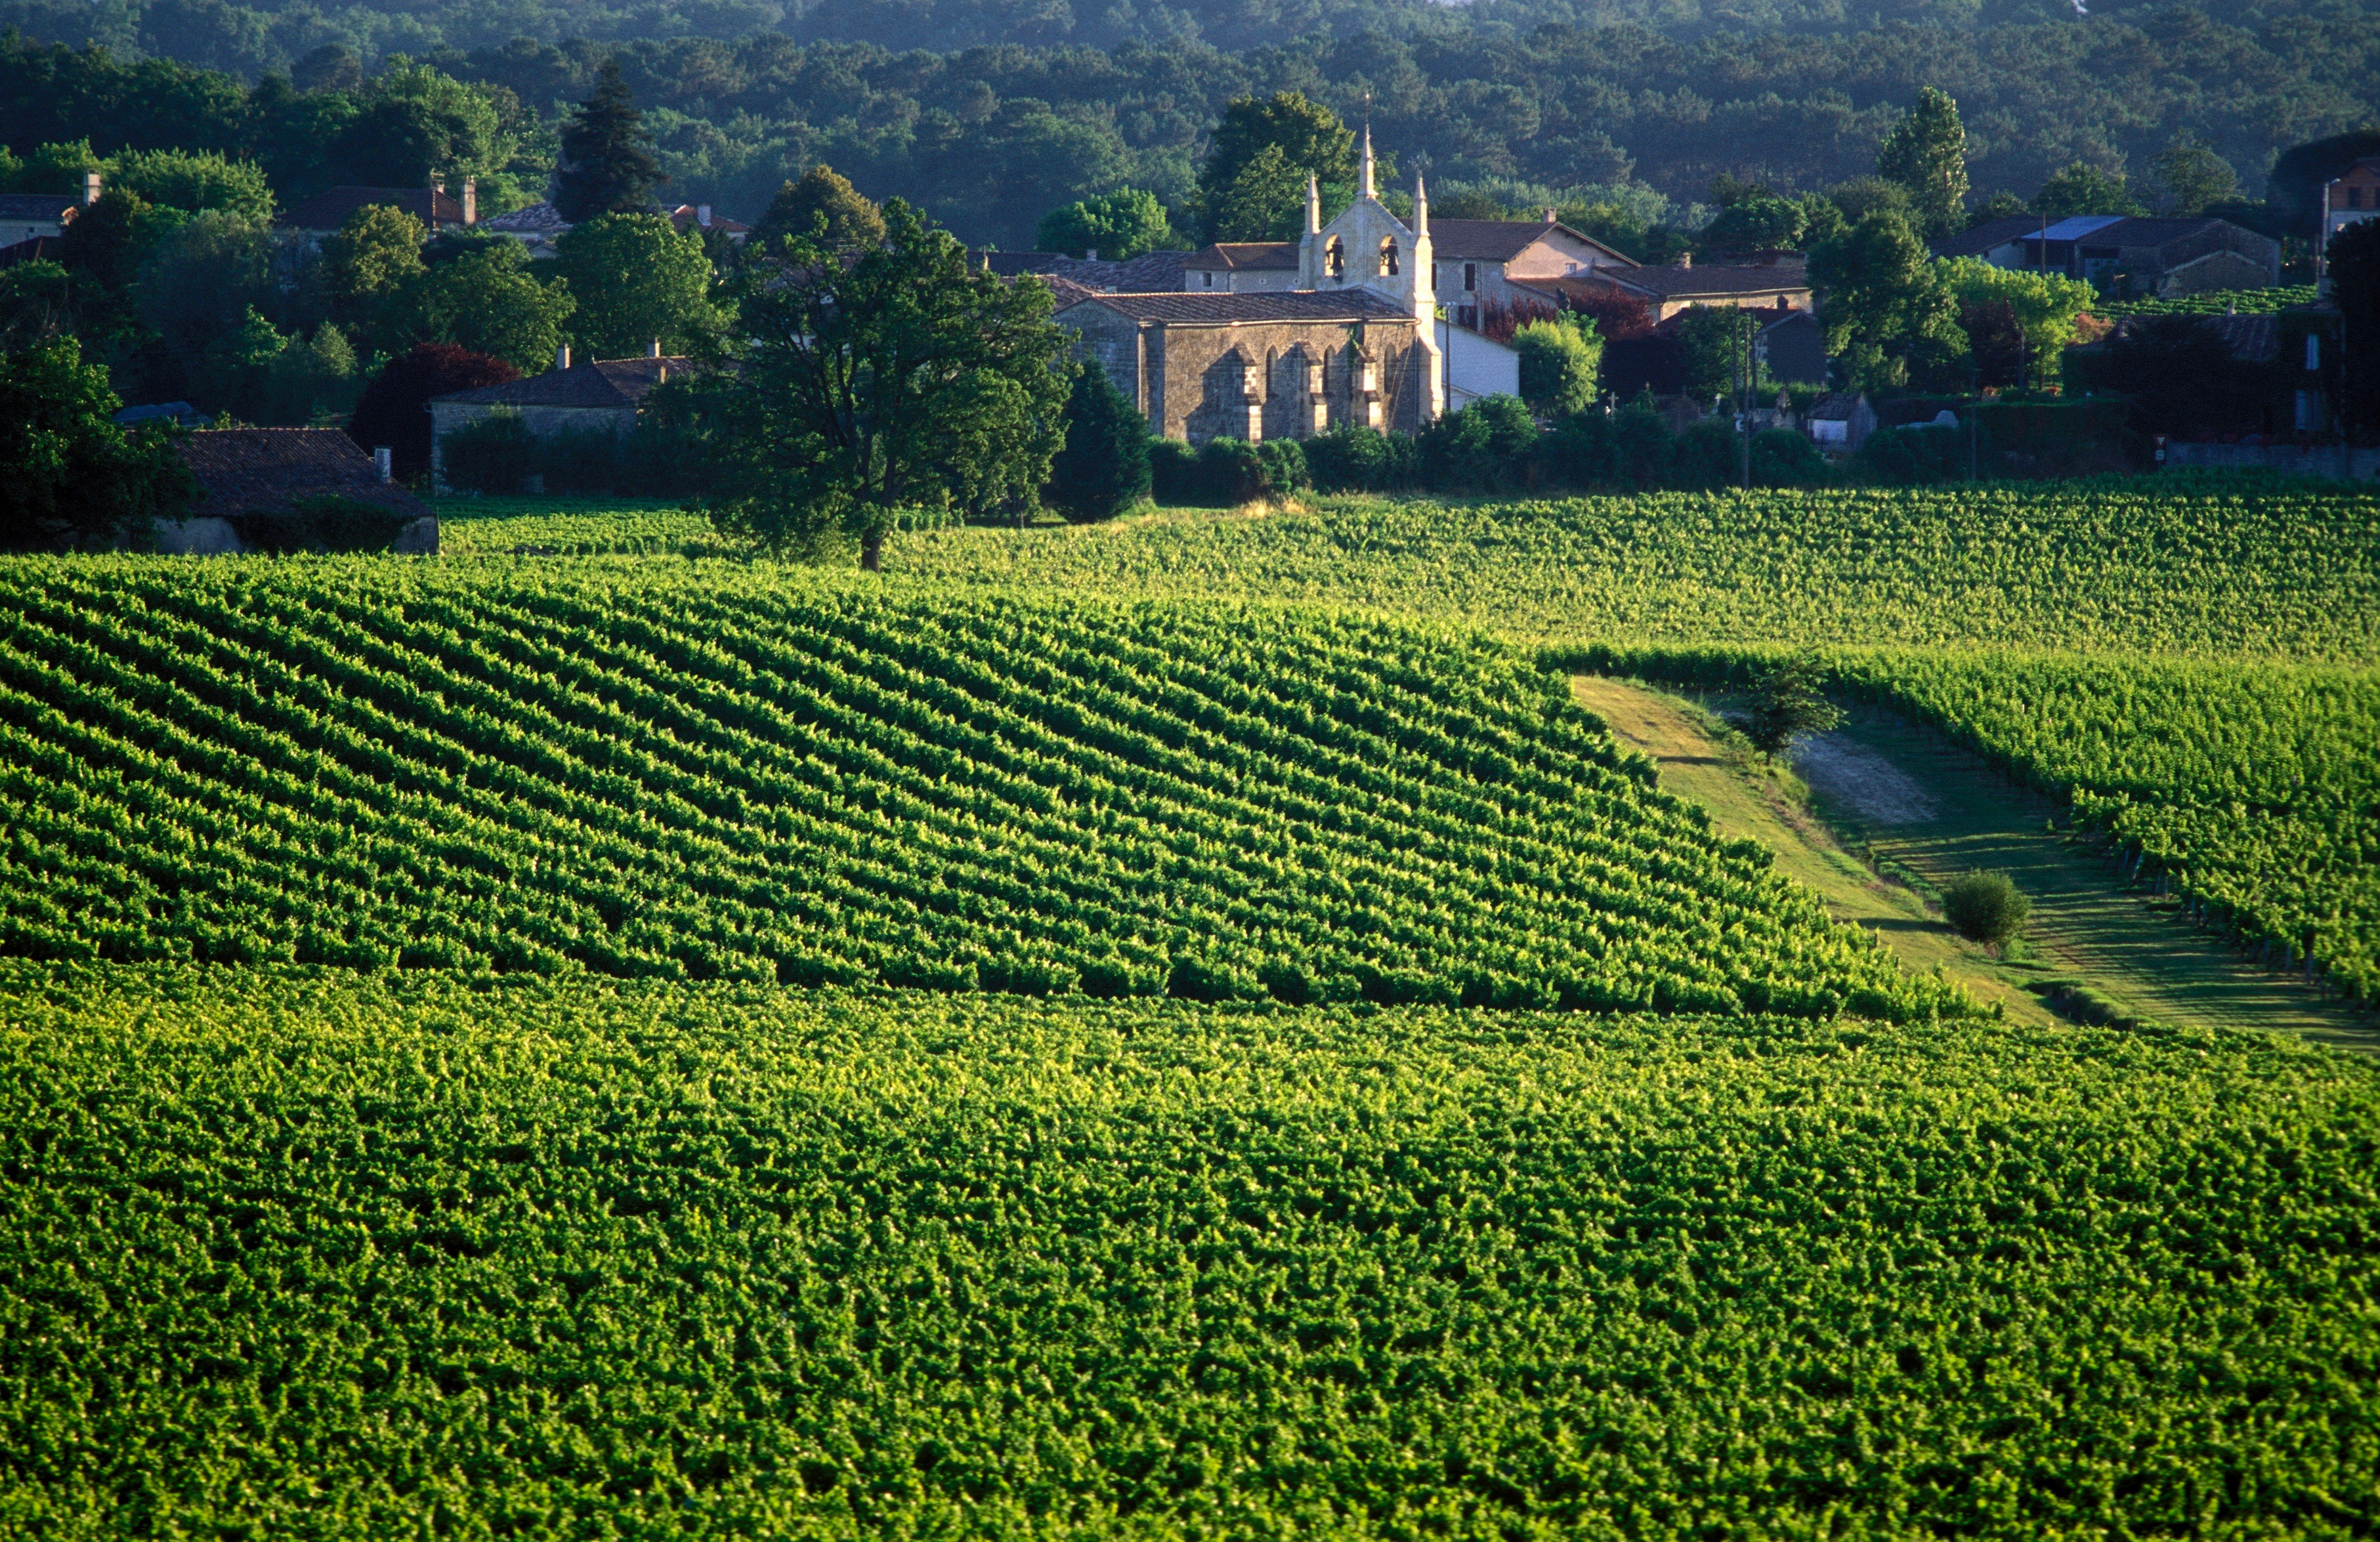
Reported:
(301, 1255)
(643, 772)
(2244, 777)
(2216, 302)
(2197, 565)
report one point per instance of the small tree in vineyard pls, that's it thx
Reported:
(1787, 702)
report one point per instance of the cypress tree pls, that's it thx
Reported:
(1926, 153)
(605, 168)
(1102, 469)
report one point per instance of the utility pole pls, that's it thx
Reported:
(1744, 399)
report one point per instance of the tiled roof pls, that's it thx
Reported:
(1486, 240)
(612, 383)
(1331, 305)
(1682, 284)
(2251, 339)
(36, 207)
(331, 210)
(689, 216)
(537, 219)
(1143, 274)
(1065, 290)
(1246, 255)
(1835, 407)
(247, 469)
(1502, 240)
(1984, 237)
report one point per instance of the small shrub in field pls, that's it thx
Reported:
(1986, 907)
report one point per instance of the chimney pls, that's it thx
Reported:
(90, 186)
(702, 215)
(562, 357)
(1090, 254)
(653, 350)
(470, 200)
(437, 187)
(380, 464)
(1550, 217)
(1685, 259)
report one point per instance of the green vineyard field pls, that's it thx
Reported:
(2212, 705)
(761, 776)
(300, 1256)
(2205, 565)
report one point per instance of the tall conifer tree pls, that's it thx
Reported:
(605, 168)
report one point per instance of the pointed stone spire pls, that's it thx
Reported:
(1312, 204)
(1421, 206)
(1368, 190)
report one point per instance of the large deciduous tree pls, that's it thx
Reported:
(1261, 148)
(2084, 189)
(68, 475)
(605, 167)
(877, 382)
(1890, 319)
(1118, 226)
(1926, 153)
(825, 205)
(637, 280)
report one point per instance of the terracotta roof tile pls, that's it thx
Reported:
(248, 469)
(330, 210)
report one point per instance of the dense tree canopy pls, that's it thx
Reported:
(900, 378)
(1551, 97)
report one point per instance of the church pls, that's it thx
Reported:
(1361, 337)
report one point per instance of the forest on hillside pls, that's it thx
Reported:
(988, 112)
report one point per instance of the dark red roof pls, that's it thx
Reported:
(688, 216)
(252, 469)
(603, 383)
(330, 210)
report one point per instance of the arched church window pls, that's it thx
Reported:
(1334, 257)
(1389, 257)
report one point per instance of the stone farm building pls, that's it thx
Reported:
(1368, 319)
(602, 394)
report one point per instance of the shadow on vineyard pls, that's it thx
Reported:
(753, 776)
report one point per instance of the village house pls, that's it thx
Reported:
(538, 226)
(437, 209)
(43, 216)
(248, 475)
(1840, 421)
(596, 395)
(1666, 291)
(1484, 264)
(1243, 267)
(2125, 254)
(2352, 197)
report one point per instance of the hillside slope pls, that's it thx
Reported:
(761, 775)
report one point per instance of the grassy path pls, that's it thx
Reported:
(1916, 798)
